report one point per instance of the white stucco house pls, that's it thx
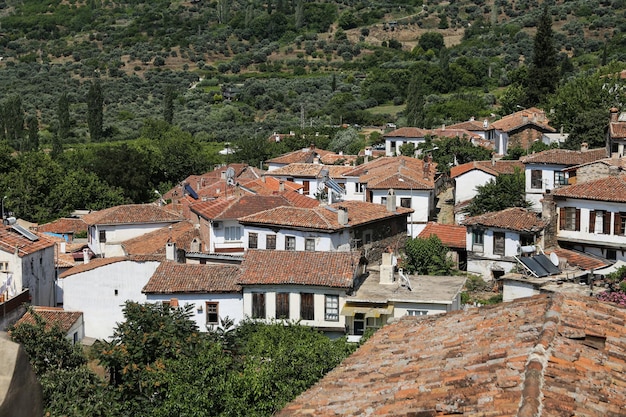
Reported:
(108, 228)
(211, 290)
(71, 323)
(398, 137)
(494, 240)
(101, 287)
(309, 287)
(547, 170)
(520, 129)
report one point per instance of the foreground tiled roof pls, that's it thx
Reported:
(322, 218)
(611, 188)
(494, 168)
(527, 117)
(326, 269)
(450, 235)
(549, 355)
(514, 218)
(64, 225)
(565, 157)
(176, 278)
(154, 243)
(14, 242)
(581, 260)
(132, 213)
(52, 316)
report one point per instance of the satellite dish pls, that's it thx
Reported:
(554, 259)
(230, 176)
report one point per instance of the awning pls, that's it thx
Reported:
(368, 311)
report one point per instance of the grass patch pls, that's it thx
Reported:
(387, 109)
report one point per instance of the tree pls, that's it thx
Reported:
(431, 40)
(95, 103)
(13, 119)
(168, 104)
(543, 74)
(63, 114)
(454, 150)
(508, 190)
(427, 256)
(346, 141)
(414, 110)
(33, 134)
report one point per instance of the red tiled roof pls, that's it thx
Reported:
(611, 188)
(269, 185)
(450, 235)
(234, 208)
(321, 218)
(153, 243)
(565, 157)
(514, 218)
(407, 132)
(549, 355)
(305, 155)
(52, 316)
(399, 172)
(176, 278)
(617, 129)
(99, 262)
(472, 126)
(132, 213)
(12, 241)
(494, 168)
(309, 170)
(450, 132)
(579, 259)
(326, 269)
(532, 116)
(64, 225)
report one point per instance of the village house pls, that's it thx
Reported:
(494, 240)
(309, 287)
(184, 235)
(69, 322)
(108, 228)
(520, 129)
(317, 180)
(211, 290)
(451, 236)
(310, 155)
(328, 228)
(67, 228)
(547, 170)
(398, 137)
(483, 129)
(545, 355)
(616, 133)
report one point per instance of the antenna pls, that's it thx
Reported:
(230, 176)
(405, 278)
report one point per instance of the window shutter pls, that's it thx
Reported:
(617, 224)
(577, 220)
(592, 221)
(562, 218)
(607, 223)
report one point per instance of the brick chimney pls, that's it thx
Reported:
(548, 213)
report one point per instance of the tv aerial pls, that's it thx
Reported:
(230, 176)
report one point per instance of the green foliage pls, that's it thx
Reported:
(347, 141)
(95, 108)
(427, 256)
(454, 150)
(431, 40)
(543, 72)
(508, 190)
(414, 111)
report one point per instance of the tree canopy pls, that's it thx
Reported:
(507, 190)
(427, 256)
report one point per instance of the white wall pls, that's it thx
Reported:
(218, 236)
(422, 202)
(230, 305)
(34, 271)
(116, 234)
(393, 145)
(324, 242)
(534, 195)
(401, 309)
(512, 290)
(93, 293)
(465, 184)
(294, 303)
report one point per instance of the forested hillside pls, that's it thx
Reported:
(158, 86)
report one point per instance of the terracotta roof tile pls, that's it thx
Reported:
(611, 188)
(52, 316)
(99, 262)
(11, 240)
(450, 235)
(472, 126)
(581, 260)
(132, 213)
(269, 185)
(322, 218)
(64, 225)
(450, 132)
(407, 132)
(490, 167)
(514, 218)
(234, 208)
(617, 130)
(549, 355)
(399, 172)
(565, 157)
(309, 170)
(531, 116)
(154, 243)
(327, 269)
(305, 156)
(176, 278)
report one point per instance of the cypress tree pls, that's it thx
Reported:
(543, 73)
(95, 103)
(168, 105)
(414, 110)
(63, 114)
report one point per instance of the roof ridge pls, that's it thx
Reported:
(531, 401)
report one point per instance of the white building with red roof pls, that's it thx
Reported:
(69, 322)
(311, 177)
(520, 129)
(310, 155)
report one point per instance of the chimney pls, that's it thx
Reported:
(342, 215)
(85, 256)
(386, 268)
(198, 185)
(391, 201)
(170, 251)
(281, 186)
(525, 118)
(548, 213)
(62, 247)
(614, 114)
(493, 160)
(584, 147)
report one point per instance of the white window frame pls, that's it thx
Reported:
(231, 232)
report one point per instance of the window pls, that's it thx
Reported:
(307, 307)
(309, 244)
(306, 185)
(611, 254)
(331, 312)
(212, 313)
(536, 180)
(569, 218)
(416, 312)
(599, 221)
(360, 187)
(253, 240)
(498, 243)
(232, 233)
(359, 324)
(478, 239)
(559, 178)
(383, 200)
(282, 305)
(373, 323)
(102, 236)
(270, 242)
(75, 338)
(405, 202)
(4, 266)
(258, 305)
(290, 243)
